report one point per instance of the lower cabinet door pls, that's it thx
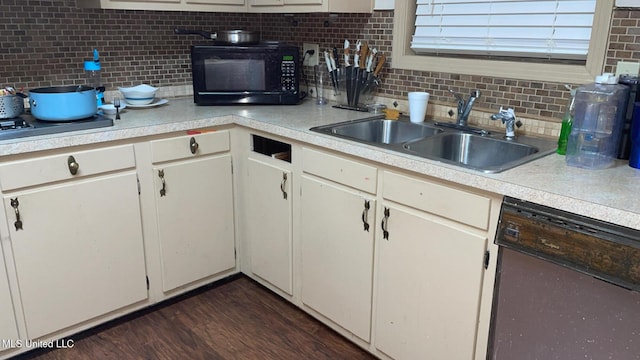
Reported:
(428, 287)
(8, 326)
(269, 227)
(75, 257)
(337, 253)
(195, 219)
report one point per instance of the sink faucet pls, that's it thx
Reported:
(508, 118)
(464, 107)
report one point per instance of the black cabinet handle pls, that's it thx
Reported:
(163, 191)
(385, 219)
(365, 215)
(282, 185)
(18, 223)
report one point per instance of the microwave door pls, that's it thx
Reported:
(233, 75)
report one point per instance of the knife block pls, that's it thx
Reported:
(354, 88)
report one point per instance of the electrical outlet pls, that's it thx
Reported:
(311, 60)
(628, 68)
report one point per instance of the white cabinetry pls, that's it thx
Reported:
(279, 6)
(431, 288)
(285, 2)
(194, 207)
(217, 2)
(8, 326)
(303, 2)
(337, 241)
(383, 4)
(169, 5)
(75, 235)
(430, 269)
(269, 222)
(289, 6)
(628, 3)
(266, 209)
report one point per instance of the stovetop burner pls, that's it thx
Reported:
(14, 123)
(26, 125)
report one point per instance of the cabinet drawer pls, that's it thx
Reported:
(181, 147)
(458, 205)
(46, 169)
(340, 170)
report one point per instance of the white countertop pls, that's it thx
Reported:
(611, 195)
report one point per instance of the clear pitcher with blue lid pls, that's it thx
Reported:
(599, 113)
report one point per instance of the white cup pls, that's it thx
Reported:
(418, 106)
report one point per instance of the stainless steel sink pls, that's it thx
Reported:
(380, 131)
(485, 152)
(477, 152)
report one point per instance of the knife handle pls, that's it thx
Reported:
(346, 57)
(327, 61)
(383, 58)
(364, 52)
(333, 62)
(370, 59)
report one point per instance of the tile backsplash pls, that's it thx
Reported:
(44, 43)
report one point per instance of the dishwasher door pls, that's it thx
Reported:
(566, 287)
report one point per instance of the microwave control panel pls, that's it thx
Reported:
(289, 78)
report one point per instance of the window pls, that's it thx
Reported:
(558, 29)
(591, 64)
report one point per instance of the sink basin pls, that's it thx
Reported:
(468, 148)
(480, 153)
(380, 131)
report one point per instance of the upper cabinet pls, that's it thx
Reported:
(215, 2)
(293, 6)
(256, 6)
(383, 5)
(169, 5)
(627, 3)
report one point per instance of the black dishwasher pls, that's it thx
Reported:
(566, 287)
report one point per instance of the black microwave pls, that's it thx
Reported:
(263, 73)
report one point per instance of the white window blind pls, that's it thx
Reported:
(558, 29)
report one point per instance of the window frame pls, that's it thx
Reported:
(404, 58)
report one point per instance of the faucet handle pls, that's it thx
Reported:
(458, 96)
(506, 114)
(508, 117)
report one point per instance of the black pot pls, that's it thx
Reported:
(230, 37)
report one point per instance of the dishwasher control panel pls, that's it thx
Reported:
(603, 250)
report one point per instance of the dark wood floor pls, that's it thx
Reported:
(238, 319)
